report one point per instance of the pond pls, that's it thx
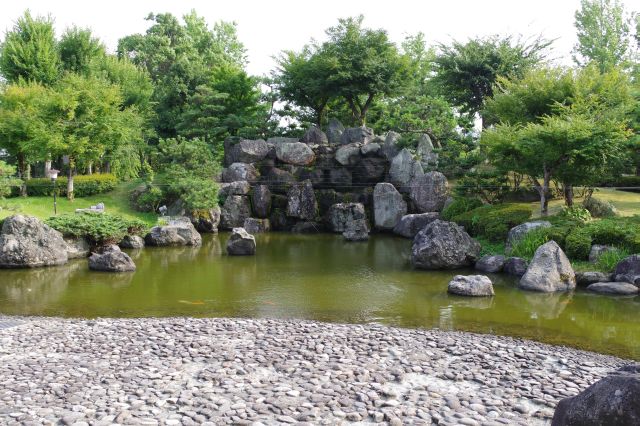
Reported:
(319, 277)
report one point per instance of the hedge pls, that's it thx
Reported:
(97, 228)
(459, 206)
(623, 233)
(493, 221)
(83, 185)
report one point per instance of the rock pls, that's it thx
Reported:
(443, 245)
(516, 266)
(277, 140)
(351, 135)
(298, 153)
(240, 187)
(25, 242)
(598, 250)
(111, 259)
(176, 208)
(389, 149)
(388, 206)
(403, 170)
(316, 176)
(610, 401)
(370, 149)
(235, 210)
(428, 158)
(491, 264)
(241, 243)
(471, 285)
(517, 232)
(584, 279)
(279, 180)
(205, 220)
(429, 192)
(340, 177)
(301, 201)
(409, 225)
(549, 271)
(256, 226)
(334, 131)
(244, 150)
(240, 171)
(179, 232)
(279, 221)
(369, 171)
(132, 242)
(261, 201)
(307, 227)
(616, 288)
(348, 155)
(77, 247)
(341, 213)
(356, 230)
(628, 270)
(315, 136)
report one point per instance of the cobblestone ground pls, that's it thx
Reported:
(239, 371)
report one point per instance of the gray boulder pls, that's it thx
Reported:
(389, 149)
(598, 250)
(298, 153)
(340, 177)
(584, 279)
(403, 170)
(132, 242)
(471, 285)
(26, 242)
(276, 140)
(428, 158)
(244, 150)
(610, 401)
(256, 226)
(549, 271)
(443, 245)
(334, 131)
(341, 213)
(348, 155)
(240, 187)
(235, 210)
(356, 230)
(491, 264)
(370, 149)
(77, 247)
(517, 232)
(409, 225)
(362, 135)
(369, 170)
(240, 171)
(614, 288)
(279, 179)
(301, 201)
(111, 259)
(429, 192)
(307, 227)
(241, 243)
(179, 232)
(206, 220)
(261, 201)
(516, 266)
(388, 206)
(315, 136)
(628, 270)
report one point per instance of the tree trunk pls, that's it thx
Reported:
(47, 168)
(568, 195)
(70, 179)
(90, 169)
(107, 167)
(21, 175)
(543, 191)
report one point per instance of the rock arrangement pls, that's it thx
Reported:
(214, 371)
(26, 242)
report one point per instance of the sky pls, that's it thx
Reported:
(267, 27)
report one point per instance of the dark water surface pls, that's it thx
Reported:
(319, 277)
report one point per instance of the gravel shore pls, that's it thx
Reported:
(244, 371)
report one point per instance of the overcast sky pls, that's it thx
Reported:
(267, 27)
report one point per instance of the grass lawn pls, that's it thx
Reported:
(627, 203)
(116, 202)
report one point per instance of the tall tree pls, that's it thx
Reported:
(78, 49)
(29, 51)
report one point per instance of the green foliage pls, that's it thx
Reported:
(78, 49)
(488, 248)
(148, 198)
(490, 185)
(84, 185)
(493, 222)
(610, 259)
(599, 208)
(98, 228)
(578, 244)
(459, 206)
(526, 247)
(617, 231)
(575, 213)
(7, 179)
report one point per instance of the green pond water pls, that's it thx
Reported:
(319, 277)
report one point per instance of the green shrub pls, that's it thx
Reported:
(490, 186)
(529, 243)
(459, 206)
(599, 208)
(493, 222)
(610, 259)
(146, 198)
(97, 228)
(578, 244)
(578, 214)
(489, 248)
(83, 185)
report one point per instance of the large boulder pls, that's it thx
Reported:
(409, 225)
(206, 220)
(610, 401)
(515, 266)
(429, 192)
(244, 150)
(628, 270)
(298, 153)
(614, 288)
(256, 226)
(549, 271)
(340, 177)
(471, 285)
(356, 230)
(388, 206)
(301, 201)
(443, 245)
(334, 131)
(315, 136)
(77, 248)
(369, 171)
(111, 259)
(428, 158)
(279, 180)
(341, 213)
(26, 242)
(492, 264)
(240, 187)
(241, 243)
(389, 149)
(370, 149)
(307, 227)
(179, 232)
(348, 155)
(240, 171)
(517, 232)
(132, 242)
(235, 210)
(403, 170)
(585, 279)
(261, 201)
(362, 135)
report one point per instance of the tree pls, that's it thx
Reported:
(29, 51)
(467, 72)
(7, 179)
(79, 49)
(603, 34)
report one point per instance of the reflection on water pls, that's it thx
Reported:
(323, 278)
